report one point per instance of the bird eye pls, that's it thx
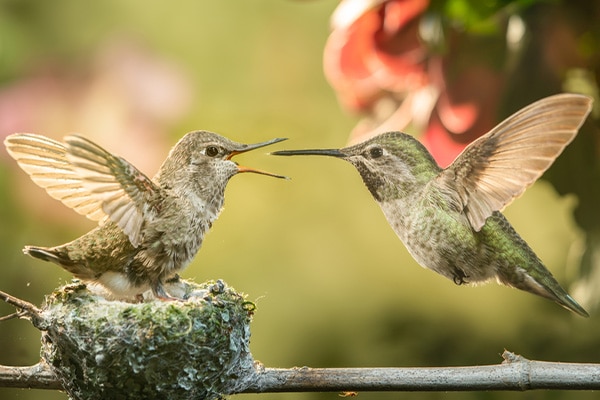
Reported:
(376, 152)
(212, 151)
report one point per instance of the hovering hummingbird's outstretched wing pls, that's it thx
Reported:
(86, 178)
(499, 166)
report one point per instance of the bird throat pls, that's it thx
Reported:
(373, 181)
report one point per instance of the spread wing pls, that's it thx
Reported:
(499, 166)
(45, 160)
(86, 178)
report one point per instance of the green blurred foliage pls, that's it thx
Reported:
(333, 285)
(477, 15)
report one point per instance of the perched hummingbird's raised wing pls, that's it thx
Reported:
(499, 166)
(86, 178)
(45, 160)
(124, 192)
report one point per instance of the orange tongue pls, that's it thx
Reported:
(258, 171)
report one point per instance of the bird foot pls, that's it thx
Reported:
(460, 278)
(160, 293)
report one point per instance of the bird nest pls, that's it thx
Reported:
(196, 348)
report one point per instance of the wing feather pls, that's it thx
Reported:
(45, 161)
(123, 190)
(499, 166)
(86, 178)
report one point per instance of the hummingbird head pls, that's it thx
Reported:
(390, 164)
(203, 159)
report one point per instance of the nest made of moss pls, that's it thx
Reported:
(104, 349)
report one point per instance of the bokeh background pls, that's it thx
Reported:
(333, 284)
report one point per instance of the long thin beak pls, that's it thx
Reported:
(310, 152)
(248, 147)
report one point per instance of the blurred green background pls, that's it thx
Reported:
(333, 284)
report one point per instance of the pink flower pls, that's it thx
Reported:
(377, 52)
(379, 65)
(466, 108)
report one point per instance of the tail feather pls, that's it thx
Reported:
(560, 296)
(572, 305)
(55, 255)
(549, 288)
(43, 253)
(60, 255)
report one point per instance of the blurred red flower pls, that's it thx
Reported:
(378, 62)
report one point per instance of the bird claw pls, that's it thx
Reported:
(168, 298)
(459, 277)
(161, 294)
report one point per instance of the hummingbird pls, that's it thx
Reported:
(450, 219)
(149, 229)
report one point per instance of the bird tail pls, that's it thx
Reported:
(560, 296)
(43, 253)
(57, 255)
(549, 288)
(572, 305)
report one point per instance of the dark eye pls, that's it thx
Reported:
(212, 151)
(376, 152)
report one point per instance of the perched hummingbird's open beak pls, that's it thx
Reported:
(310, 152)
(247, 147)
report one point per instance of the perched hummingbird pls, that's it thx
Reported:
(149, 228)
(449, 219)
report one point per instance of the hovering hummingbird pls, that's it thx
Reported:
(449, 219)
(149, 229)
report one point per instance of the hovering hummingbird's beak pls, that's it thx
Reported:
(310, 152)
(248, 147)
